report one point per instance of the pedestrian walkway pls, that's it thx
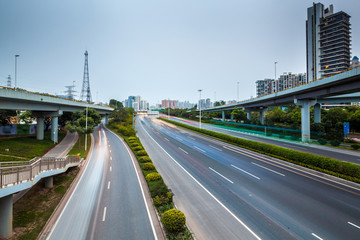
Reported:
(64, 146)
(23, 176)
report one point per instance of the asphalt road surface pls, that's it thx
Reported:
(108, 202)
(230, 193)
(340, 154)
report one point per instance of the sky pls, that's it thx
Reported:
(158, 49)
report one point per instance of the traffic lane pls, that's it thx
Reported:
(355, 158)
(203, 141)
(73, 222)
(122, 212)
(217, 187)
(312, 198)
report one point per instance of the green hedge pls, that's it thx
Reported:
(346, 170)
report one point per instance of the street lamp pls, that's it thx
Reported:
(16, 56)
(200, 107)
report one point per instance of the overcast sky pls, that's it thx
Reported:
(157, 49)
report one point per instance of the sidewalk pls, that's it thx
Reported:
(64, 146)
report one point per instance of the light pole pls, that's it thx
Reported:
(86, 128)
(168, 108)
(237, 91)
(16, 56)
(275, 70)
(200, 107)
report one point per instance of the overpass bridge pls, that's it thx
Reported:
(45, 105)
(341, 87)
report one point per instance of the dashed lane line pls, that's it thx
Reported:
(268, 169)
(245, 172)
(221, 175)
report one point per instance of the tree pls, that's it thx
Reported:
(5, 116)
(26, 117)
(219, 103)
(354, 120)
(115, 103)
(239, 114)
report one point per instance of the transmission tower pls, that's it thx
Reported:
(69, 93)
(9, 81)
(85, 92)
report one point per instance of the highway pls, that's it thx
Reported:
(340, 154)
(107, 202)
(230, 193)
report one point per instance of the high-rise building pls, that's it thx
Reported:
(131, 100)
(327, 41)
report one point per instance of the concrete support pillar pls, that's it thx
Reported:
(49, 182)
(317, 113)
(6, 216)
(223, 116)
(262, 117)
(232, 117)
(40, 128)
(248, 115)
(106, 119)
(305, 118)
(54, 129)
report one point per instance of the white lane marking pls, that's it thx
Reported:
(109, 185)
(268, 169)
(110, 157)
(110, 150)
(205, 189)
(191, 138)
(245, 172)
(142, 190)
(109, 145)
(354, 225)
(179, 139)
(316, 236)
(104, 214)
(167, 139)
(183, 150)
(220, 175)
(199, 149)
(215, 148)
(110, 168)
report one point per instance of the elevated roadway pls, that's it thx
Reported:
(44, 105)
(342, 87)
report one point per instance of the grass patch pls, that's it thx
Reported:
(27, 147)
(32, 211)
(79, 146)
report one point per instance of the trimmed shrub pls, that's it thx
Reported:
(141, 153)
(132, 138)
(335, 143)
(322, 141)
(137, 148)
(173, 220)
(148, 166)
(134, 144)
(152, 177)
(144, 159)
(160, 200)
(355, 146)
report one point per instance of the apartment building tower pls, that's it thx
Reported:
(327, 41)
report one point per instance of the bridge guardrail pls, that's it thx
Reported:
(11, 175)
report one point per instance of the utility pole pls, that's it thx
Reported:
(200, 107)
(16, 56)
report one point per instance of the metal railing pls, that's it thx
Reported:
(11, 174)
